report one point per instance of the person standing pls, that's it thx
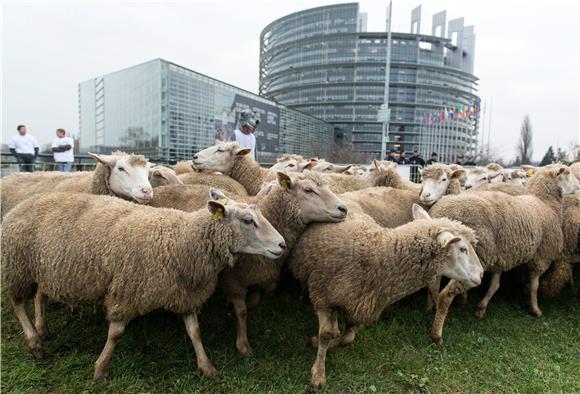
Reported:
(391, 156)
(460, 160)
(245, 133)
(62, 148)
(416, 159)
(433, 158)
(24, 148)
(402, 160)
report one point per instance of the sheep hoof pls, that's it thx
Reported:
(480, 313)
(318, 381)
(437, 339)
(37, 353)
(101, 376)
(245, 349)
(536, 312)
(211, 372)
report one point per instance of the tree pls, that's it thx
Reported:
(549, 157)
(524, 147)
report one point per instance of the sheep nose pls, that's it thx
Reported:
(194, 157)
(343, 209)
(282, 245)
(145, 190)
(426, 195)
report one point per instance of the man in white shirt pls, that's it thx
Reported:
(245, 133)
(62, 148)
(25, 148)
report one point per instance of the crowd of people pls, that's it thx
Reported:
(416, 159)
(24, 147)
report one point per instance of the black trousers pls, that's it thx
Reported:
(26, 162)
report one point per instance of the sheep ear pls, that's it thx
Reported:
(217, 209)
(159, 174)
(345, 169)
(216, 194)
(561, 170)
(310, 165)
(419, 213)
(457, 173)
(446, 238)
(107, 160)
(377, 164)
(243, 152)
(284, 180)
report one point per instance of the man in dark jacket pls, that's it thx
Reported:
(433, 158)
(416, 159)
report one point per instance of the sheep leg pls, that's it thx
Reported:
(493, 286)
(432, 293)
(326, 332)
(194, 332)
(344, 340)
(444, 301)
(116, 331)
(32, 338)
(253, 298)
(534, 284)
(241, 311)
(40, 301)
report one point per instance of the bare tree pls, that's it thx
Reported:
(524, 148)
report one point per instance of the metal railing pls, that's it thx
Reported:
(44, 162)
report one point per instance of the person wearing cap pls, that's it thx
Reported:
(245, 133)
(391, 156)
(416, 159)
(433, 158)
(460, 160)
(402, 159)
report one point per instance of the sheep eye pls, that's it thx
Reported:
(463, 249)
(444, 180)
(220, 150)
(483, 179)
(291, 165)
(248, 220)
(308, 190)
(122, 169)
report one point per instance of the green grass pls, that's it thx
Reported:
(510, 351)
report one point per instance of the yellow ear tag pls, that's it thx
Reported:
(530, 172)
(284, 184)
(218, 214)
(442, 243)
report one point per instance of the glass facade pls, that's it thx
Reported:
(318, 61)
(168, 112)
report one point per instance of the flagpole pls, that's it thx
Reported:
(385, 136)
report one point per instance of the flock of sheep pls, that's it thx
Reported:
(146, 237)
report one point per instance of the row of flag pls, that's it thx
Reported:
(461, 111)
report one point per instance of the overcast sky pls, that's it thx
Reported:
(526, 54)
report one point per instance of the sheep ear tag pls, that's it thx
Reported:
(530, 172)
(442, 243)
(218, 214)
(284, 183)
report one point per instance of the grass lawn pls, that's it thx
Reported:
(510, 351)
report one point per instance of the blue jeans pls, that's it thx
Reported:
(65, 166)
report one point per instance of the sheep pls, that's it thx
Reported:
(183, 167)
(292, 202)
(218, 181)
(359, 268)
(289, 163)
(476, 177)
(163, 176)
(508, 188)
(575, 168)
(515, 176)
(232, 160)
(512, 230)
(561, 271)
(326, 167)
(119, 174)
(495, 172)
(132, 258)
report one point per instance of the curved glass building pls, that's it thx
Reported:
(322, 62)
